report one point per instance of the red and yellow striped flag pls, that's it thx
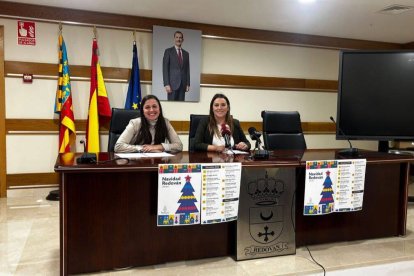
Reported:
(99, 108)
(63, 103)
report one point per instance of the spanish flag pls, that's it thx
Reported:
(99, 108)
(63, 102)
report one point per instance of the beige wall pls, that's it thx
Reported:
(36, 100)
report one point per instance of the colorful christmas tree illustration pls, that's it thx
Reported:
(327, 200)
(187, 200)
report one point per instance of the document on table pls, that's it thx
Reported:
(236, 152)
(136, 155)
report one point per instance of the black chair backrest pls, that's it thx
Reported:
(282, 130)
(119, 120)
(194, 121)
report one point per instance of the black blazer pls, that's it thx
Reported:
(203, 137)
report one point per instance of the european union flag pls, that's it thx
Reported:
(133, 99)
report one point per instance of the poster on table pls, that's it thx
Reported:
(220, 192)
(198, 193)
(334, 186)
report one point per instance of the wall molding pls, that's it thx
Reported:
(32, 179)
(16, 69)
(51, 126)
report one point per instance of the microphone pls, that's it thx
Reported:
(346, 152)
(226, 133)
(86, 157)
(254, 134)
(258, 153)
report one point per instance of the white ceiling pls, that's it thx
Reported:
(357, 19)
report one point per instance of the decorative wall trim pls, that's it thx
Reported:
(32, 179)
(145, 24)
(409, 45)
(51, 126)
(15, 69)
(112, 74)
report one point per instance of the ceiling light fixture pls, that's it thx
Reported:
(306, 1)
(396, 9)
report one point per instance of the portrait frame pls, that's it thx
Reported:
(163, 39)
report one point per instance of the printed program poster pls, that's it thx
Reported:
(220, 192)
(334, 186)
(198, 193)
(350, 185)
(179, 194)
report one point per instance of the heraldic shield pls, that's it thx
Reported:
(266, 223)
(266, 213)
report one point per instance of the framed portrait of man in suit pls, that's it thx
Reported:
(176, 64)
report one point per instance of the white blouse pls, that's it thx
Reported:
(219, 140)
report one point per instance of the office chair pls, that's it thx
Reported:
(119, 120)
(282, 130)
(194, 121)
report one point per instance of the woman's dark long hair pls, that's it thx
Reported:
(161, 131)
(212, 125)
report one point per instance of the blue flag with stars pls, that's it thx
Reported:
(133, 99)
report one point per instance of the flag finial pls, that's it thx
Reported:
(60, 28)
(94, 32)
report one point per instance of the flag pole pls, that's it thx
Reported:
(135, 38)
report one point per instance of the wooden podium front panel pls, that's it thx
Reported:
(111, 223)
(108, 210)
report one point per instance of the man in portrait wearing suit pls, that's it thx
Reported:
(176, 69)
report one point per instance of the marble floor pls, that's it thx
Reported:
(29, 245)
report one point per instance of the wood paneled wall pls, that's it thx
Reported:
(46, 70)
(82, 73)
(51, 126)
(144, 24)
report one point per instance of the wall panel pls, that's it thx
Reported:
(255, 76)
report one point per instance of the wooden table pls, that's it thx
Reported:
(108, 210)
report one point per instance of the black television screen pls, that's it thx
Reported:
(376, 95)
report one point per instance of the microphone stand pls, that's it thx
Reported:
(257, 145)
(349, 152)
(259, 154)
(87, 157)
(227, 145)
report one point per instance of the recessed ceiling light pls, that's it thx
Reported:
(306, 1)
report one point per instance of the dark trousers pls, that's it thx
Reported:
(177, 95)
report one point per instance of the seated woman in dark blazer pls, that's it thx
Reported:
(209, 131)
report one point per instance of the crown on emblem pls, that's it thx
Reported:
(267, 187)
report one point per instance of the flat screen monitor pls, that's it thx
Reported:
(376, 96)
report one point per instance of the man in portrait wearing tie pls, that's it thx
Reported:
(176, 69)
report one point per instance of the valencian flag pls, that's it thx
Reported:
(133, 99)
(99, 109)
(63, 102)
